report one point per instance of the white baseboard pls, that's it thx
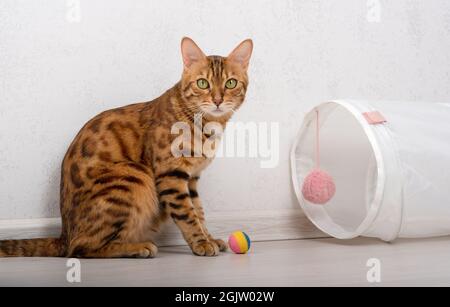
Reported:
(261, 226)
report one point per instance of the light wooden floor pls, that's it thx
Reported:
(319, 262)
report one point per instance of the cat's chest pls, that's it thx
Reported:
(189, 148)
(197, 165)
(203, 151)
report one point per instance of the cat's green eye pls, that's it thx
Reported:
(202, 83)
(231, 83)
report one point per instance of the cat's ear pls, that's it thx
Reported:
(191, 52)
(242, 53)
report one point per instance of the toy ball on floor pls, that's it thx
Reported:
(318, 187)
(239, 242)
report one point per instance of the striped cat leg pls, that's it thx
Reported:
(175, 199)
(112, 217)
(193, 192)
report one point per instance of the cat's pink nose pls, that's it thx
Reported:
(218, 100)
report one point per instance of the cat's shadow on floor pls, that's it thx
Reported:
(179, 250)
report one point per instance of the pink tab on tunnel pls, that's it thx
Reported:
(374, 117)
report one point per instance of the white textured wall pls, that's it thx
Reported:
(57, 72)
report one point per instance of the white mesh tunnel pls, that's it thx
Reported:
(392, 179)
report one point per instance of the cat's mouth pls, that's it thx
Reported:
(216, 111)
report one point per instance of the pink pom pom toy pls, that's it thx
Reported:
(318, 187)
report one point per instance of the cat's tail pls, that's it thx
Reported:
(50, 247)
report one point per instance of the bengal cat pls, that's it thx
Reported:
(119, 179)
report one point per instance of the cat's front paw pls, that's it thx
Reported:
(205, 248)
(221, 244)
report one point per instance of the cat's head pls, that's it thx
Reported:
(214, 85)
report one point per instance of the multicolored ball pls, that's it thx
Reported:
(239, 242)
